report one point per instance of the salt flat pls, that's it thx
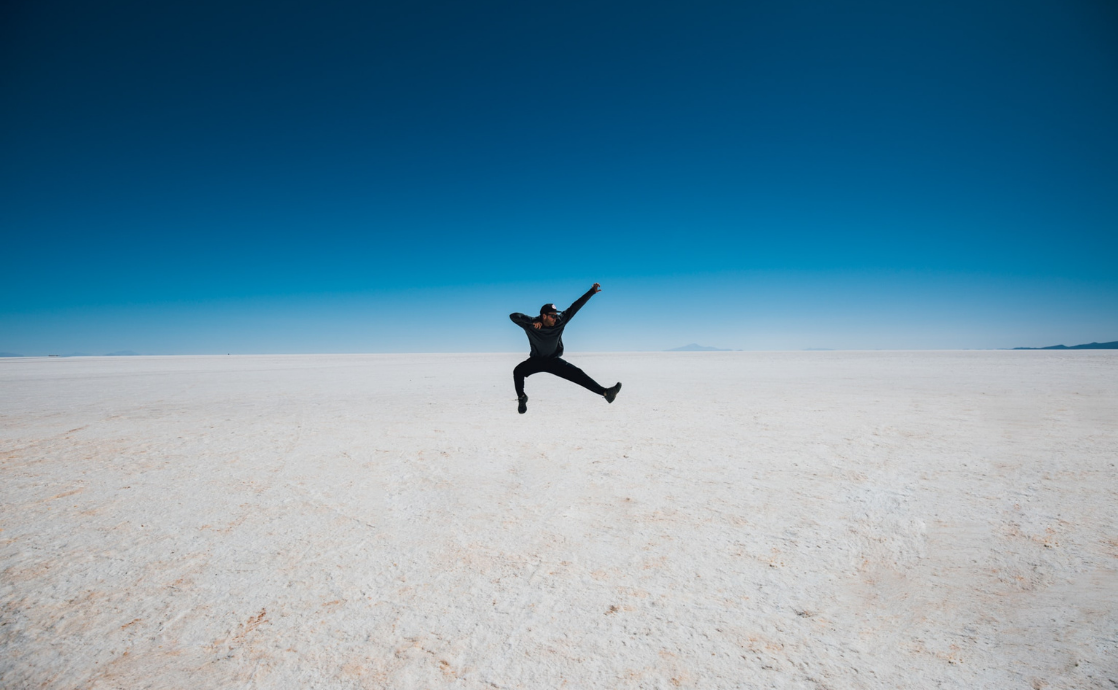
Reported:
(734, 520)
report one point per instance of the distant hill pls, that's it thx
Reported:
(693, 347)
(1089, 346)
(9, 354)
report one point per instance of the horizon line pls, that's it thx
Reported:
(580, 352)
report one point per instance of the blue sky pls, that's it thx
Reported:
(203, 177)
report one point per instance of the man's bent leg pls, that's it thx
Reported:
(566, 370)
(526, 368)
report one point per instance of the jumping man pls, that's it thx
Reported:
(545, 334)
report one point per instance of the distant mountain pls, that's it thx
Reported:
(9, 354)
(1089, 346)
(123, 353)
(693, 347)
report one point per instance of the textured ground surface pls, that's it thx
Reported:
(791, 520)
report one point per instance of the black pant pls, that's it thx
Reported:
(553, 365)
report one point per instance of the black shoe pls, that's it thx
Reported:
(523, 404)
(611, 393)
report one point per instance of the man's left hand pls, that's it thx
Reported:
(597, 288)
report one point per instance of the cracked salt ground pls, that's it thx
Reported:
(788, 520)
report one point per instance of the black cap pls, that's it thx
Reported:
(548, 308)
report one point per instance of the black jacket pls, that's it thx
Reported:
(548, 342)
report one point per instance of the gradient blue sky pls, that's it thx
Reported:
(262, 177)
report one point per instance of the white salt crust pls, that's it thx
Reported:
(735, 520)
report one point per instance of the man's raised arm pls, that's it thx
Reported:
(573, 309)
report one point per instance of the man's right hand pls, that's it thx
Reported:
(536, 325)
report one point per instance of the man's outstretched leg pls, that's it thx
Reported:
(566, 370)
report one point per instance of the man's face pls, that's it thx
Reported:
(549, 319)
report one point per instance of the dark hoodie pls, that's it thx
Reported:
(548, 342)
